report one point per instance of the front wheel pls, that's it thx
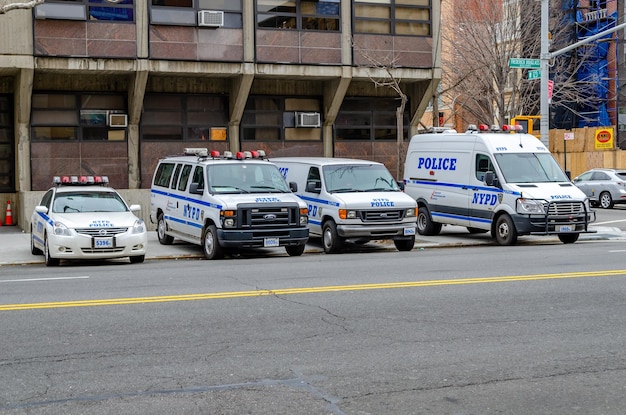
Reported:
(331, 241)
(505, 231)
(568, 238)
(50, 262)
(605, 200)
(404, 245)
(425, 225)
(295, 250)
(33, 249)
(210, 243)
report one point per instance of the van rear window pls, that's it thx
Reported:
(163, 175)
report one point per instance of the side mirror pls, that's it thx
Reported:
(491, 179)
(135, 208)
(400, 184)
(41, 209)
(293, 186)
(194, 189)
(313, 187)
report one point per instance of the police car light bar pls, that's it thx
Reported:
(196, 151)
(79, 180)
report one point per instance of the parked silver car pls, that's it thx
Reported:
(604, 187)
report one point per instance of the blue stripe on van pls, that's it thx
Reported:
(186, 199)
(464, 186)
(316, 200)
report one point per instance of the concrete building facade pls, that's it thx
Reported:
(107, 87)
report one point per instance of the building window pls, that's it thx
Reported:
(83, 117)
(276, 119)
(369, 119)
(298, 14)
(184, 118)
(92, 10)
(7, 159)
(395, 17)
(186, 12)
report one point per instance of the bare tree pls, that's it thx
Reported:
(8, 5)
(385, 65)
(479, 41)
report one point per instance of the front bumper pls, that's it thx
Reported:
(257, 239)
(81, 246)
(382, 231)
(551, 225)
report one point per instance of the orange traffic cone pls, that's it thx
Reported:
(9, 217)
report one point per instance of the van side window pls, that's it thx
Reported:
(184, 177)
(176, 173)
(483, 165)
(313, 180)
(163, 174)
(198, 177)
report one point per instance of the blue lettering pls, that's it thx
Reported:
(267, 199)
(484, 199)
(283, 171)
(382, 203)
(436, 163)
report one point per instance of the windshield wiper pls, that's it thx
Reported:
(239, 189)
(343, 190)
(270, 188)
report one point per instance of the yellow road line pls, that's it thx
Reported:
(305, 290)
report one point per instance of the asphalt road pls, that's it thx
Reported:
(535, 329)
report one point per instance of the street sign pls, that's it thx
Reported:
(524, 63)
(534, 74)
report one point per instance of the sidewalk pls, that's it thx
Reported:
(15, 244)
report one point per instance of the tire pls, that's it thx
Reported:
(33, 249)
(568, 238)
(50, 262)
(425, 225)
(138, 259)
(161, 228)
(505, 231)
(295, 250)
(605, 200)
(210, 243)
(331, 241)
(404, 245)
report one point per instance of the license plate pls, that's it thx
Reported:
(271, 242)
(565, 228)
(103, 242)
(409, 231)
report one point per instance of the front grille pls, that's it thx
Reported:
(101, 231)
(102, 250)
(381, 215)
(268, 216)
(565, 208)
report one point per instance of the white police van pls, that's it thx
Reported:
(226, 203)
(507, 183)
(351, 199)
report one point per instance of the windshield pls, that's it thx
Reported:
(530, 168)
(78, 202)
(359, 178)
(246, 178)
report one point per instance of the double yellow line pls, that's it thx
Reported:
(307, 290)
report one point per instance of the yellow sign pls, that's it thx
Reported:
(604, 138)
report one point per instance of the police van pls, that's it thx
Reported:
(493, 180)
(351, 199)
(226, 202)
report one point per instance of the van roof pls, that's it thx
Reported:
(322, 161)
(209, 160)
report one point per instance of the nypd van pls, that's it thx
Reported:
(350, 199)
(491, 180)
(226, 202)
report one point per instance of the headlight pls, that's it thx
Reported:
(229, 222)
(531, 206)
(304, 216)
(587, 205)
(410, 213)
(60, 229)
(229, 218)
(138, 227)
(347, 214)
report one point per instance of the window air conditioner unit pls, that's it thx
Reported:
(308, 119)
(118, 120)
(210, 18)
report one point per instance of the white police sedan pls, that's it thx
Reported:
(82, 218)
